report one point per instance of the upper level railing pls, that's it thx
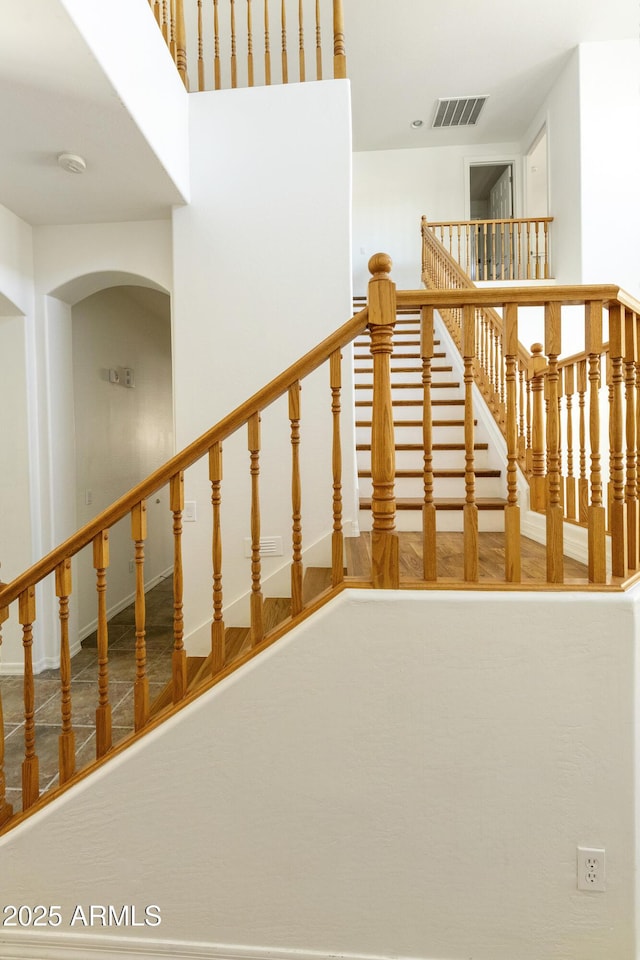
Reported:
(240, 43)
(515, 249)
(534, 440)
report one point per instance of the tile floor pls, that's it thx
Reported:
(84, 673)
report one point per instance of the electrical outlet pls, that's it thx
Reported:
(591, 864)
(189, 512)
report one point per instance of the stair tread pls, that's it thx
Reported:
(456, 401)
(441, 503)
(443, 385)
(417, 423)
(405, 474)
(443, 368)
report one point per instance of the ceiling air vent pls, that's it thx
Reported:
(459, 111)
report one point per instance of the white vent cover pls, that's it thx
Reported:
(269, 546)
(459, 111)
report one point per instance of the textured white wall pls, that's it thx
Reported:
(407, 774)
(261, 275)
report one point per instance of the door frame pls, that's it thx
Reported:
(497, 160)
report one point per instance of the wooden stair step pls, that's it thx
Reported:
(436, 369)
(399, 356)
(165, 697)
(316, 580)
(457, 402)
(441, 503)
(417, 423)
(409, 474)
(435, 446)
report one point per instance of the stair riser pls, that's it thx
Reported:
(415, 394)
(442, 487)
(414, 459)
(414, 434)
(446, 520)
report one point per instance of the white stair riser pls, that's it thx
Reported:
(415, 394)
(414, 434)
(414, 459)
(445, 487)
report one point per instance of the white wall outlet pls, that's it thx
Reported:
(591, 863)
(189, 512)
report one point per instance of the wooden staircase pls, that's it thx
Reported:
(448, 446)
(238, 639)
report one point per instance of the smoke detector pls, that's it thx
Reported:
(459, 111)
(72, 163)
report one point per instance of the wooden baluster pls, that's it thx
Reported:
(458, 234)
(339, 56)
(529, 442)
(6, 809)
(181, 44)
(555, 517)
(637, 405)
(66, 740)
(583, 483)
(165, 22)
(538, 480)
(512, 571)
(141, 685)
(200, 57)
(522, 440)
(596, 511)
(267, 49)
(519, 252)
(382, 317)
(511, 249)
(179, 655)
(610, 398)
(570, 485)
(562, 478)
(631, 491)
(430, 571)
(546, 250)
(103, 711)
(30, 764)
(301, 42)
(249, 45)
(337, 539)
(537, 251)
(470, 510)
(528, 249)
(172, 29)
(283, 23)
(257, 619)
(157, 12)
(216, 46)
(467, 231)
(618, 518)
(502, 262)
(296, 500)
(318, 43)
(218, 651)
(234, 62)
(485, 246)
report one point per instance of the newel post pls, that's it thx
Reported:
(382, 317)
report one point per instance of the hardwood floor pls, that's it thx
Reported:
(449, 554)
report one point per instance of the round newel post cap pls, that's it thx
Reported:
(536, 349)
(380, 266)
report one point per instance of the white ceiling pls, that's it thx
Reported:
(402, 55)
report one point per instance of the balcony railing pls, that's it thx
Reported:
(497, 249)
(240, 43)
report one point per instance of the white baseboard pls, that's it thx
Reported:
(27, 945)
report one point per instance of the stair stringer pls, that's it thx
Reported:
(532, 523)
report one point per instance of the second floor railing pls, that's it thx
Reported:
(516, 249)
(220, 44)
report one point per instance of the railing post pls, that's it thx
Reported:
(618, 518)
(555, 563)
(66, 740)
(538, 480)
(512, 509)
(339, 57)
(596, 512)
(382, 317)
(631, 491)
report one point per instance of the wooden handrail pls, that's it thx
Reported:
(466, 223)
(186, 458)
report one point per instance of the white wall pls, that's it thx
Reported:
(148, 85)
(405, 775)
(121, 434)
(261, 275)
(393, 189)
(609, 115)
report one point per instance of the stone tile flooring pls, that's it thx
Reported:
(84, 692)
